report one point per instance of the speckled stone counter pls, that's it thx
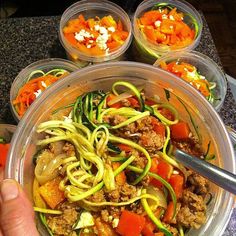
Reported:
(25, 40)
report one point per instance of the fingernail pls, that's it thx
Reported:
(9, 190)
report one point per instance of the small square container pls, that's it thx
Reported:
(207, 68)
(147, 50)
(88, 35)
(54, 66)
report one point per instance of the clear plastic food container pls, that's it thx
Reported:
(206, 67)
(155, 82)
(146, 51)
(44, 65)
(93, 9)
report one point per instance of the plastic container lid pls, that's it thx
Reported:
(191, 17)
(206, 67)
(91, 9)
(44, 65)
(155, 81)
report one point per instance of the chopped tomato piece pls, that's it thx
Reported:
(167, 113)
(180, 131)
(4, 147)
(148, 228)
(130, 224)
(164, 170)
(133, 102)
(169, 213)
(158, 127)
(177, 183)
(124, 147)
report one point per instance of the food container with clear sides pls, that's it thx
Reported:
(44, 65)
(205, 67)
(146, 51)
(92, 9)
(6, 132)
(155, 82)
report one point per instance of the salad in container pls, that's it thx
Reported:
(98, 155)
(163, 26)
(199, 71)
(95, 31)
(6, 133)
(33, 80)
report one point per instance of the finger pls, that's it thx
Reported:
(16, 215)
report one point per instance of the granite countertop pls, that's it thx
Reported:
(26, 40)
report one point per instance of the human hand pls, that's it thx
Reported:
(16, 211)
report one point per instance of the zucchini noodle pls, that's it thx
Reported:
(163, 118)
(138, 147)
(131, 120)
(132, 88)
(47, 211)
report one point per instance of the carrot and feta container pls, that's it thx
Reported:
(34, 79)
(164, 26)
(199, 71)
(95, 31)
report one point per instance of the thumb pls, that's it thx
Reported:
(16, 213)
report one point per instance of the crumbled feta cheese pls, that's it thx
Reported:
(182, 18)
(157, 23)
(171, 26)
(89, 46)
(102, 40)
(171, 17)
(43, 84)
(79, 37)
(175, 172)
(82, 35)
(37, 93)
(110, 218)
(91, 41)
(96, 27)
(103, 30)
(202, 77)
(112, 29)
(164, 17)
(115, 223)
